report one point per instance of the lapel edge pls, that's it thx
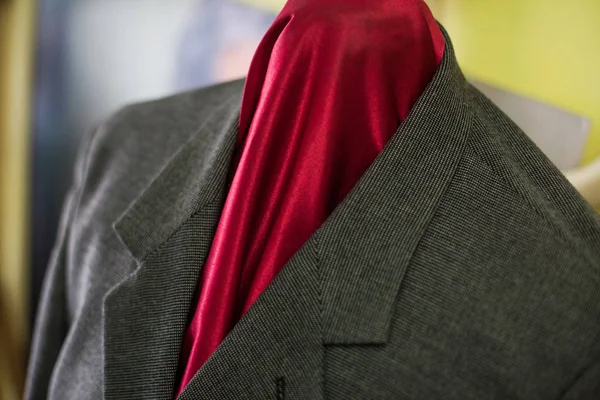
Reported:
(363, 255)
(192, 179)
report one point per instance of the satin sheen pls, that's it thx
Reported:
(328, 86)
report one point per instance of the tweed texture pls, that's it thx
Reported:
(462, 265)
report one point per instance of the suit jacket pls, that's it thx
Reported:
(461, 266)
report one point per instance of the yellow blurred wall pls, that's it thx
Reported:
(546, 49)
(269, 5)
(16, 39)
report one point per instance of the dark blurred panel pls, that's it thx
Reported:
(51, 155)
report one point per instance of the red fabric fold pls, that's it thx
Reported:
(328, 86)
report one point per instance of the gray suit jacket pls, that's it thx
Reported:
(461, 266)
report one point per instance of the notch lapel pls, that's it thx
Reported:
(168, 230)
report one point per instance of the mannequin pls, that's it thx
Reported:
(587, 181)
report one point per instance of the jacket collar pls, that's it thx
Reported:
(195, 177)
(339, 288)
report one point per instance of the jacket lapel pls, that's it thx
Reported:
(168, 230)
(366, 246)
(342, 285)
(339, 288)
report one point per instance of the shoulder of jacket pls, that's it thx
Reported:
(129, 149)
(528, 173)
(146, 132)
(175, 113)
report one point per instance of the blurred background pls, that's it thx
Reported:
(65, 65)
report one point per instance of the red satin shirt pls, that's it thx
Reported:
(327, 88)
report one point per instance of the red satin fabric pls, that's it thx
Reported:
(328, 86)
